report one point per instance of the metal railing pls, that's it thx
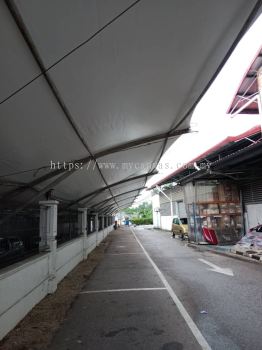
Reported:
(67, 226)
(19, 236)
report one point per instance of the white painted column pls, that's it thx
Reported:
(48, 232)
(82, 228)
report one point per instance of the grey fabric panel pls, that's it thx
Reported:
(137, 78)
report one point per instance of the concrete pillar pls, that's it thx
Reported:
(259, 83)
(48, 232)
(82, 228)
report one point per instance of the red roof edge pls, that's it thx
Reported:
(222, 143)
(241, 82)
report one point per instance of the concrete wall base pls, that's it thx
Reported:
(25, 284)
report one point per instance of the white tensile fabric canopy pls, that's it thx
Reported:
(109, 84)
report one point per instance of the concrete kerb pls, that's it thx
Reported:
(228, 254)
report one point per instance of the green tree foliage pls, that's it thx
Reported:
(142, 221)
(142, 214)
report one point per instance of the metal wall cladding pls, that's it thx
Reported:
(165, 208)
(252, 192)
(182, 210)
(177, 195)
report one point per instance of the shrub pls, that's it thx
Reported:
(142, 221)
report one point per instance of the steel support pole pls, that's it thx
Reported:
(259, 83)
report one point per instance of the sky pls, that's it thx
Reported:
(210, 118)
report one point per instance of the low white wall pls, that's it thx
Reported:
(100, 236)
(166, 223)
(91, 242)
(25, 284)
(68, 256)
(21, 288)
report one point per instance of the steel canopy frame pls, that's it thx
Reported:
(118, 195)
(110, 205)
(119, 208)
(123, 147)
(112, 185)
(25, 15)
(26, 35)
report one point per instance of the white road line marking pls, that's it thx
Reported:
(191, 324)
(125, 242)
(224, 270)
(120, 290)
(124, 253)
